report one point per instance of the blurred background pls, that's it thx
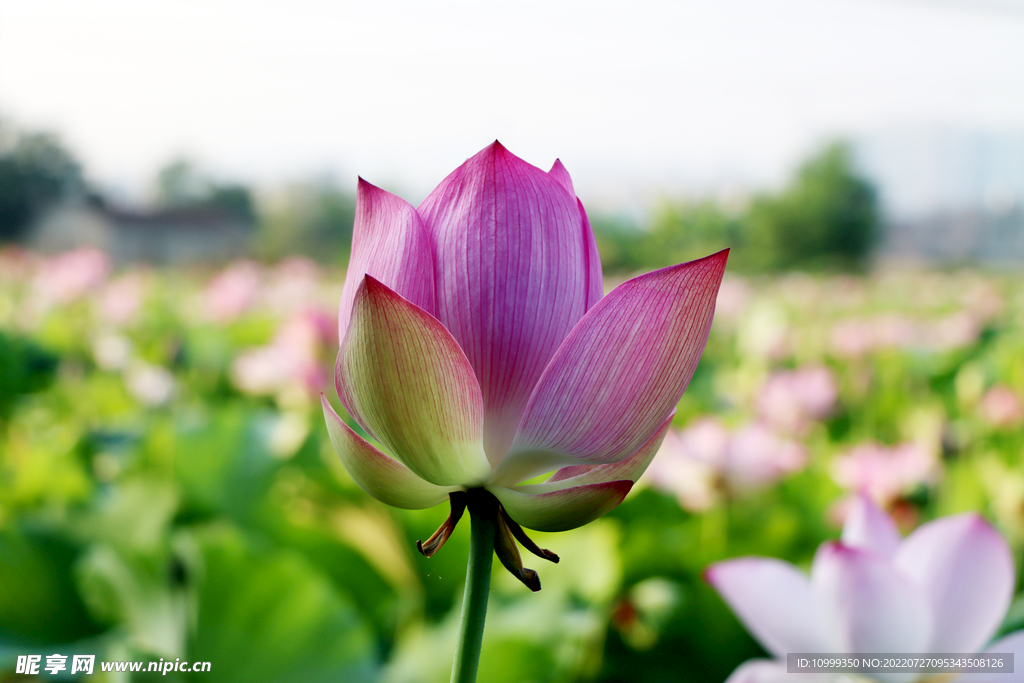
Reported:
(176, 201)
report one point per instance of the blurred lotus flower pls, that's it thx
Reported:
(122, 298)
(705, 462)
(856, 337)
(293, 283)
(111, 351)
(886, 473)
(232, 292)
(791, 401)
(759, 457)
(1001, 407)
(152, 385)
(478, 351)
(290, 365)
(943, 589)
(733, 298)
(69, 276)
(15, 263)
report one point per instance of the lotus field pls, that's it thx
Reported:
(168, 488)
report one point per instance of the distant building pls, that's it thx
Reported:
(167, 236)
(948, 195)
(957, 238)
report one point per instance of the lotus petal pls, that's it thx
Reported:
(563, 509)
(875, 606)
(390, 243)
(966, 570)
(1011, 644)
(772, 671)
(619, 373)
(868, 527)
(511, 276)
(631, 468)
(404, 378)
(774, 600)
(595, 277)
(384, 478)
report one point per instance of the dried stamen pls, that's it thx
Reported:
(525, 540)
(438, 538)
(508, 552)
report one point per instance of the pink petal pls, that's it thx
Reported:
(561, 174)
(511, 279)
(629, 469)
(595, 277)
(868, 527)
(966, 571)
(1011, 644)
(563, 509)
(773, 671)
(384, 478)
(403, 377)
(775, 602)
(874, 606)
(620, 372)
(390, 243)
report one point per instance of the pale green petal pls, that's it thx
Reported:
(384, 478)
(403, 377)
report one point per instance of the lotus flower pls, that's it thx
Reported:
(943, 589)
(791, 401)
(886, 472)
(706, 462)
(476, 348)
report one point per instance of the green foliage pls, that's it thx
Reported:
(182, 185)
(36, 171)
(678, 233)
(185, 530)
(827, 218)
(25, 367)
(313, 219)
(308, 629)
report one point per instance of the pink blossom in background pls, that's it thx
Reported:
(689, 464)
(943, 589)
(152, 385)
(953, 331)
(15, 263)
(111, 351)
(791, 401)
(232, 291)
(292, 360)
(733, 298)
(706, 462)
(885, 473)
(122, 298)
(1002, 407)
(69, 276)
(983, 299)
(851, 338)
(757, 457)
(293, 283)
(856, 337)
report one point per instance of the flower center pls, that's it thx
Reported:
(482, 503)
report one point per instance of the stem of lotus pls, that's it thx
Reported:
(483, 510)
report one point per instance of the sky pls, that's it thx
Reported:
(637, 98)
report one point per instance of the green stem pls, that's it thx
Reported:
(474, 603)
